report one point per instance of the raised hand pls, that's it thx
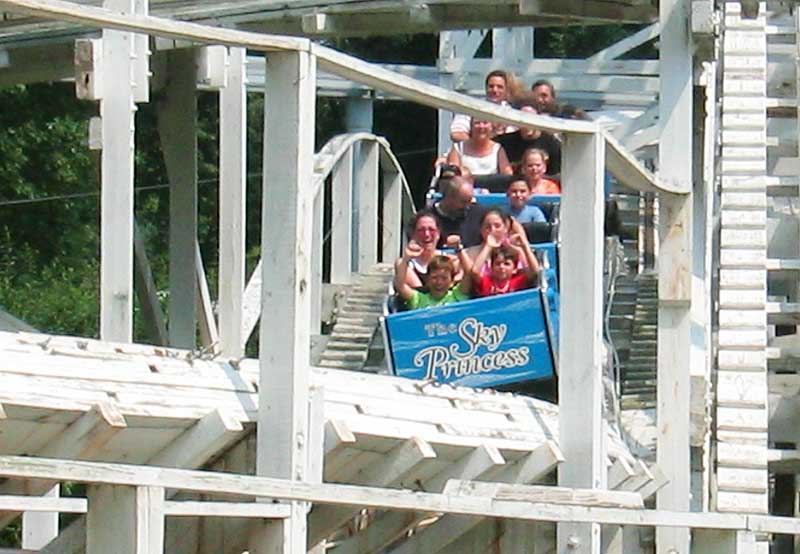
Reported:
(412, 249)
(453, 241)
(492, 241)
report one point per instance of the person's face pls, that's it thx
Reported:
(503, 268)
(457, 202)
(494, 225)
(518, 194)
(544, 96)
(439, 282)
(527, 132)
(534, 167)
(426, 232)
(496, 89)
(480, 128)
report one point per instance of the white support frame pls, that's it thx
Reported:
(366, 186)
(285, 295)
(674, 269)
(116, 191)
(342, 220)
(581, 331)
(232, 199)
(125, 520)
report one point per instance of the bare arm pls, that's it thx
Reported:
(465, 285)
(503, 165)
(486, 250)
(522, 244)
(453, 158)
(401, 285)
(458, 136)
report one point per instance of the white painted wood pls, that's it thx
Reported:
(215, 482)
(390, 525)
(580, 345)
(125, 520)
(39, 528)
(366, 185)
(197, 444)
(177, 126)
(397, 466)
(42, 506)
(317, 243)
(232, 198)
(342, 220)
(392, 223)
(285, 295)
(116, 192)
(189, 508)
(545, 494)
(141, 57)
(674, 269)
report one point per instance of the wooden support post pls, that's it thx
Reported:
(317, 247)
(285, 296)
(366, 185)
(177, 126)
(125, 520)
(359, 115)
(581, 342)
(116, 195)
(342, 220)
(674, 270)
(232, 199)
(392, 224)
(39, 528)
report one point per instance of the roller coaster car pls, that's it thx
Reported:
(493, 342)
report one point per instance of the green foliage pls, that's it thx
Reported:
(581, 41)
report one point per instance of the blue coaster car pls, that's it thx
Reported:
(485, 342)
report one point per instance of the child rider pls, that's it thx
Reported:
(504, 276)
(441, 273)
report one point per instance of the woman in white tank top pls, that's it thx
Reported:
(479, 154)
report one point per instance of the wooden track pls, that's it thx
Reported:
(88, 400)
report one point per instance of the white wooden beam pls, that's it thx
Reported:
(177, 126)
(545, 493)
(367, 194)
(199, 443)
(39, 528)
(125, 520)
(23, 467)
(116, 194)
(392, 223)
(232, 199)
(285, 295)
(191, 508)
(398, 465)
(342, 219)
(448, 529)
(674, 268)
(391, 525)
(41, 505)
(581, 336)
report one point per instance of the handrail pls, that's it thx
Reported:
(624, 167)
(324, 162)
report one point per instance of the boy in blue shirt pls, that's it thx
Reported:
(518, 193)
